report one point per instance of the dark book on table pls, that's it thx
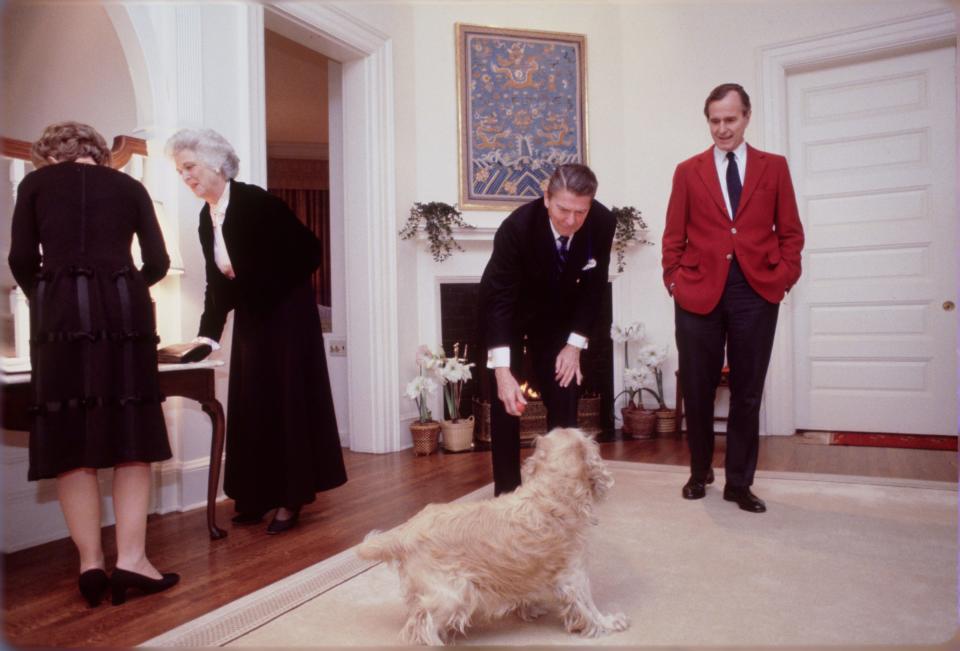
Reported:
(183, 353)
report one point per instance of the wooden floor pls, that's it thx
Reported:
(43, 608)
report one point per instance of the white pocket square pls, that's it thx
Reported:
(591, 263)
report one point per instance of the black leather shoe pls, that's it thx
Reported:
(279, 526)
(248, 517)
(744, 498)
(694, 489)
(123, 580)
(709, 479)
(93, 586)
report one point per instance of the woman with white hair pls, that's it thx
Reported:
(282, 440)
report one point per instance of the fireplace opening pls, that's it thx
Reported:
(458, 324)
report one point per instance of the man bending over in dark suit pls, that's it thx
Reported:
(542, 289)
(731, 250)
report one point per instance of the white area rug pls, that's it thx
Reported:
(836, 560)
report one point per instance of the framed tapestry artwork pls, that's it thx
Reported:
(522, 101)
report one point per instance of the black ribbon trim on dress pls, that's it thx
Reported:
(126, 314)
(92, 402)
(42, 279)
(99, 335)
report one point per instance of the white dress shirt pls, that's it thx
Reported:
(218, 213)
(720, 158)
(500, 356)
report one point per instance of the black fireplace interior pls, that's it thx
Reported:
(458, 324)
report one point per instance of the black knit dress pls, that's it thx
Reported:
(93, 331)
(282, 440)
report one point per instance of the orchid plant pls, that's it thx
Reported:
(651, 358)
(632, 383)
(421, 386)
(451, 372)
(648, 374)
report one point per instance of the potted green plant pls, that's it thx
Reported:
(437, 220)
(630, 230)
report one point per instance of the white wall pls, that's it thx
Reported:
(649, 67)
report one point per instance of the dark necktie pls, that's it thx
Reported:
(734, 187)
(562, 251)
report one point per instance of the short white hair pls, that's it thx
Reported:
(211, 148)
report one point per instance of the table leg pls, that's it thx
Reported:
(215, 410)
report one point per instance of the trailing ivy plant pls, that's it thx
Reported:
(631, 229)
(437, 219)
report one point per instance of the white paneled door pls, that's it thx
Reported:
(873, 155)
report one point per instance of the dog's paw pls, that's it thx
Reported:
(618, 622)
(529, 611)
(604, 625)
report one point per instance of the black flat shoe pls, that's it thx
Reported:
(709, 479)
(279, 526)
(744, 498)
(122, 580)
(694, 489)
(93, 586)
(248, 517)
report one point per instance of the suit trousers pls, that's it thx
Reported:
(561, 405)
(744, 323)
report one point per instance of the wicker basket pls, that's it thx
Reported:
(638, 423)
(426, 437)
(588, 415)
(666, 421)
(458, 437)
(533, 422)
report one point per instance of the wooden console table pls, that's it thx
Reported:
(194, 381)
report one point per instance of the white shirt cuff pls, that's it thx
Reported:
(578, 341)
(498, 357)
(207, 340)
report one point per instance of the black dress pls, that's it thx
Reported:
(282, 440)
(93, 333)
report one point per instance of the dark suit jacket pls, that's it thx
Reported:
(521, 292)
(765, 235)
(270, 249)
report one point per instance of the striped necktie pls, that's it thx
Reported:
(562, 251)
(734, 187)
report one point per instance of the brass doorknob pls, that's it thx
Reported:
(949, 306)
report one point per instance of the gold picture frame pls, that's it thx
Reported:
(522, 111)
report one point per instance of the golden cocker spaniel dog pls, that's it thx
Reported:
(522, 552)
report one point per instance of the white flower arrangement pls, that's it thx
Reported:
(647, 375)
(633, 332)
(451, 372)
(421, 386)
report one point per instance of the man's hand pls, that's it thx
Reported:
(509, 391)
(568, 366)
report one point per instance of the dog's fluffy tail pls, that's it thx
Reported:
(381, 546)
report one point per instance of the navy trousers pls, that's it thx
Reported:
(560, 402)
(743, 324)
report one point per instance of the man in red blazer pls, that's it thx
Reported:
(731, 250)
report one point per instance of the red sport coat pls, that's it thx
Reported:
(699, 238)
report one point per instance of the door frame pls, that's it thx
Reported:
(926, 30)
(369, 198)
